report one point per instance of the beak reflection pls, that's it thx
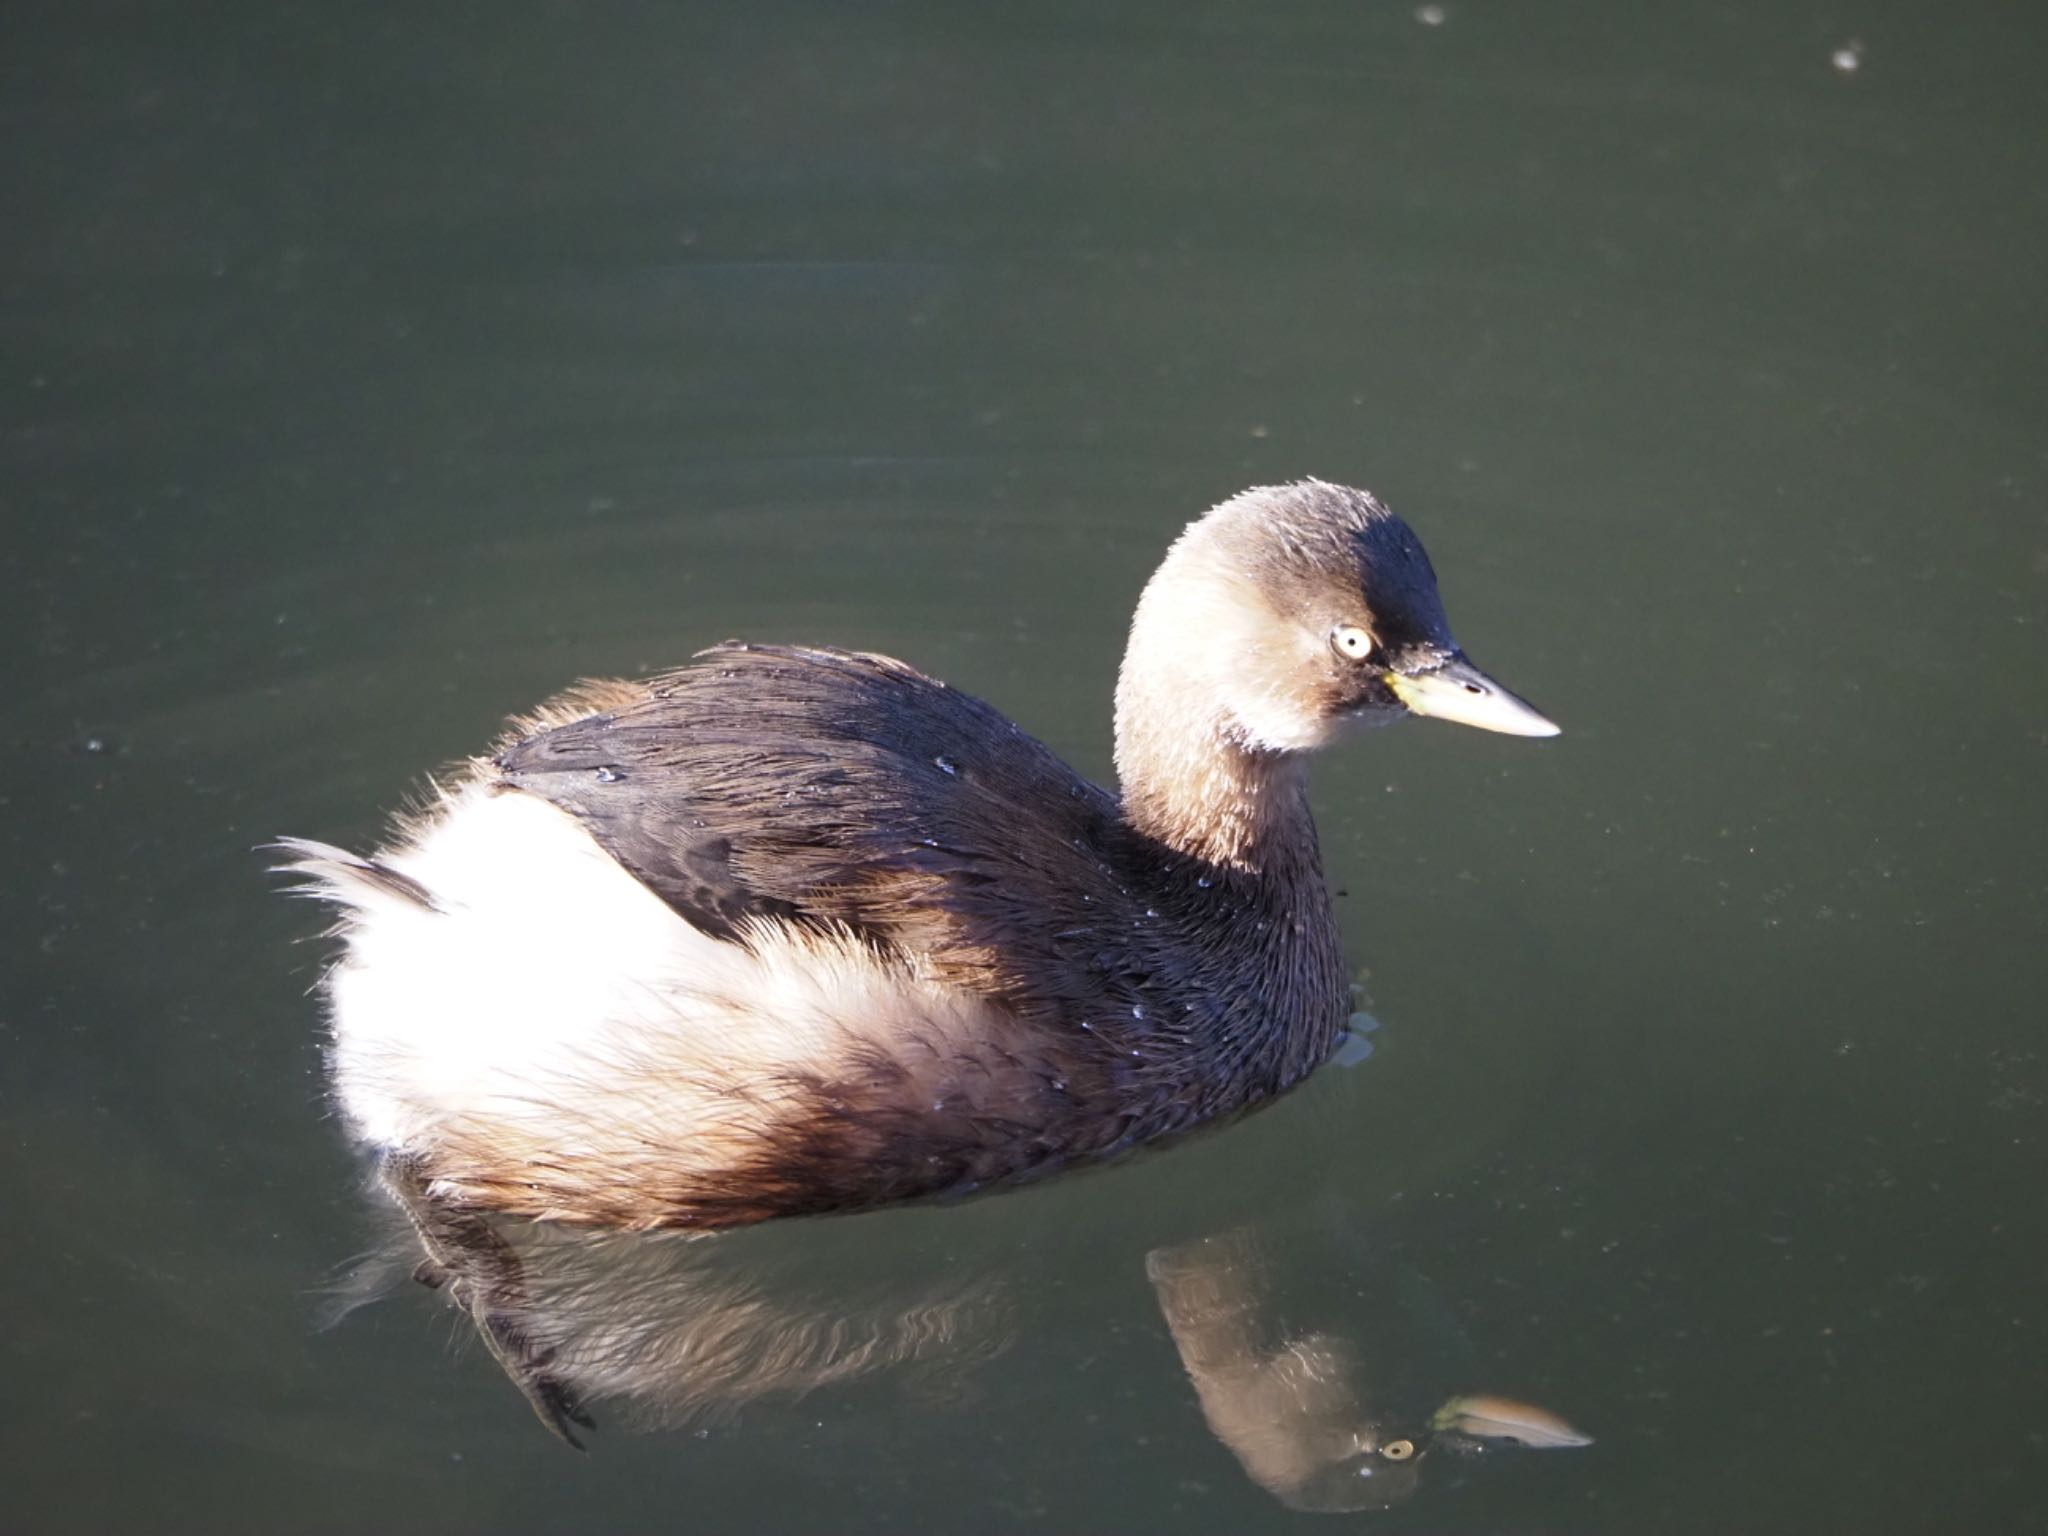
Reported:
(1503, 1420)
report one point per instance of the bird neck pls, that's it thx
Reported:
(1242, 876)
(1207, 797)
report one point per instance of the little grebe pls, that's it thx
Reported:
(792, 931)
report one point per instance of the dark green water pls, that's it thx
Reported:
(365, 376)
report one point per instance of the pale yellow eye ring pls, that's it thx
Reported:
(1351, 642)
(1398, 1450)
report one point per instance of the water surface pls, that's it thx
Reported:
(367, 377)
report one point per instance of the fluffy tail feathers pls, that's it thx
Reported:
(346, 879)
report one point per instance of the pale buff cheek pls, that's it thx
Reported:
(554, 1011)
(1233, 657)
(1271, 721)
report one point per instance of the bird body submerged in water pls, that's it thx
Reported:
(792, 930)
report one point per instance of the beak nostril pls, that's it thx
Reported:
(1474, 688)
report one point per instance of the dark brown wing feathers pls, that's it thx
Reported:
(829, 787)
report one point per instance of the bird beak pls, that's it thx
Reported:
(1457, 690)
(1502, 1418)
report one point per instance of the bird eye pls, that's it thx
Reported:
(1351, 642)
(1398, 1450)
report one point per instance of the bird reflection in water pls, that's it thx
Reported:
(668, 1331)
(674, 1330)
(1304, 1412)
